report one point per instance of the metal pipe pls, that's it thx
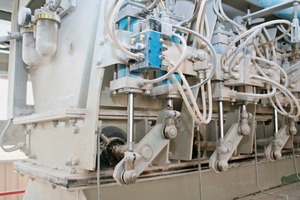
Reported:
(296, 8)
(55, 4)
(13, 36)
(221, 125)
(281, 8)
(130, 121)
(16, 192)
(170, 104)
(276, 121)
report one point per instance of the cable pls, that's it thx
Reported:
(99, 152)
(287, 93)
(244, 34)
(18, 146)
(199, 164)
(240, 27)
(136, 56)
(212, 50)
(195, 14)
(294, 160)
(201, 119)
(256, 165)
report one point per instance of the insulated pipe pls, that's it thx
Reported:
(286, 13)
(130, 121)
(221, 125)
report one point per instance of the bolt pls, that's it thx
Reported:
(55, 123)
(72, 170)
(146, 152)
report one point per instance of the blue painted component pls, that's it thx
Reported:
(175, 39)
(123, 23)
(167, 81)
(152, 51)
(122, 70)
(286, 13)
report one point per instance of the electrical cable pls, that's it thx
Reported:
(99, 152)
(282, 196)
(287, 93)
(18, 146)
(294, 160)
(240, 27)
(136, 56)
(211, 48)
(201, 119)
(244, 34)
(199, 164)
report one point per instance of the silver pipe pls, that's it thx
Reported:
(130, 121)
(55, 5)
(221, 120)
(276, 121)
(13, 36)
(296, 8)
(5, 38)
(170, 104)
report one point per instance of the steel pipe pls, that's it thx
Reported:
(15, 192)
(221, 120)
(130, 121)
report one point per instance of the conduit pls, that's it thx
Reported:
(9, 193)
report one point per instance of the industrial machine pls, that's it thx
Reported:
(154, 99)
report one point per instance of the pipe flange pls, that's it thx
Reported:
(28, 29)
(47, 15)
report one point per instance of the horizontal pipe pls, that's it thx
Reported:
(15, 192)
(287, 13)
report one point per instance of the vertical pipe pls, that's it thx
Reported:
(296, 8)
(276, 121)
(170, 104)
(130, 118)
(221, 125)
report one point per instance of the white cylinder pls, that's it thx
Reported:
(29, 53)
(46, 37)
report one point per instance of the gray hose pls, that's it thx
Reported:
(11, 149)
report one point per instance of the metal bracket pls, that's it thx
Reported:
(219, 159)
(148, 148)
(72, 4)
(273, 151)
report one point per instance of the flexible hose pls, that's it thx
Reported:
(211, 48)
(114, 37)
(10, 149)
(287, 93)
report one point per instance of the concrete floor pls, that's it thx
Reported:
(292, 191)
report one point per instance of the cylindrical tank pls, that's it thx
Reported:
(46, 33)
